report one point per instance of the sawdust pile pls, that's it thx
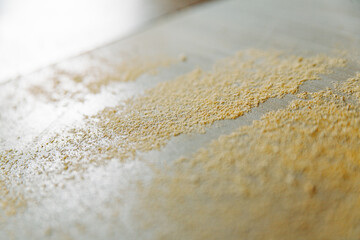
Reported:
(294, 174)
(197, 99)
(184, 105)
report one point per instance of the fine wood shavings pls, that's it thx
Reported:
(75, 85)
(294, 174)
(185, 105)
(197, 99)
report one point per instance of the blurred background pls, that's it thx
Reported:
(36, 33)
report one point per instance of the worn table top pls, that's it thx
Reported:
(98, 201)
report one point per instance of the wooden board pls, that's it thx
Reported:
(204, 34)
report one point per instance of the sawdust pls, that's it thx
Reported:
(351, 86)
(185, 105)
(10, 202)
(182, 106)
(75, 84)
(197, 99)
(294, 174)
(129, 70)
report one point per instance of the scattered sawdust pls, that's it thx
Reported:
(129, 71)
(303, 95)
(76, 84)
(294, 174)
(185, 105)
(9, 203)
(352, 86)
(197, 99)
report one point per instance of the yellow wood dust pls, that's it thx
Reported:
(76, 84)
(197, 99)
(9, 203)
(294, 174)
(186, 105)
(181, 106)
(129, 70)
